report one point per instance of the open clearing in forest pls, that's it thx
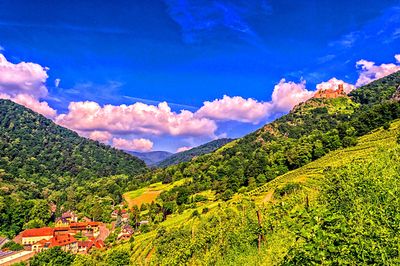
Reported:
(150, 193)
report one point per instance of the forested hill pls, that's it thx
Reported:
(308, 132)
(186, 156)
(34, 148)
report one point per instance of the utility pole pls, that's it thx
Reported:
(260, 235)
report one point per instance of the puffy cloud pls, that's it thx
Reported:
(234, 108)
(102, 136)
(370, 71)
(31, 103)
(132, 145)
(185, 148)
(288, 94)
(284, 97)
(138, 118)
(333, 84)
(22, 78)
(397, 58)
(24, 83)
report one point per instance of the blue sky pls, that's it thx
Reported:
(188, 52)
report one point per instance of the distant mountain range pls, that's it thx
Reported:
(186, 156)
(164, 158)
(153, 157)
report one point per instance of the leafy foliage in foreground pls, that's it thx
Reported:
(52, 257)
(357, 220)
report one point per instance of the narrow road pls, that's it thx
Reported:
(104, 232)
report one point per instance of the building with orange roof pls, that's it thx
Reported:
(89, 229)
(66, 242)
(31, 236)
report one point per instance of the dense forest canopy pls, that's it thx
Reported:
(41, 162)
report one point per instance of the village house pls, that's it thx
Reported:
(31, 236)
(70, 216)
(66, 242)
(126, 232)
(125, 218)
(61, 222)
(116, 213)
(88, 229)
(85, 246)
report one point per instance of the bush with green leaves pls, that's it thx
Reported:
(52, 257)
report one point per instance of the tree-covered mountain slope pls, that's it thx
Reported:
(324, 186)
(309, 131)
(340, 209)
(151, 158)
(34, 148)
(44, 165)
(186, 156)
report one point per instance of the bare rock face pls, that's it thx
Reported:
(396, 95)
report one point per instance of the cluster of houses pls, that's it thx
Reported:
(68, 233)
(122, 217)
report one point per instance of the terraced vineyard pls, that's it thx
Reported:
(310, 175)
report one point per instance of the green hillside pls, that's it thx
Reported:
(41, 162)
(324, 185)
(35, 149)
(340, 209)
(311, 130)
(186, 156)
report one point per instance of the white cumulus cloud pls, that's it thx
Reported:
(138, 118)
(24, 83)
(141, 144)
(333, 84)
(370, 71)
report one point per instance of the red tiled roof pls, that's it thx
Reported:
(88, 244)
(65, 228)
(45, 231)
(84, 224)
(62, 240)
(42, 242)
(99, 243)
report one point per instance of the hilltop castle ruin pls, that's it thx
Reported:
(331, 93)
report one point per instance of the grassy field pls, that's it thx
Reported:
(150, 193)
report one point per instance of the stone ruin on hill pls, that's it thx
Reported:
(331, 93)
